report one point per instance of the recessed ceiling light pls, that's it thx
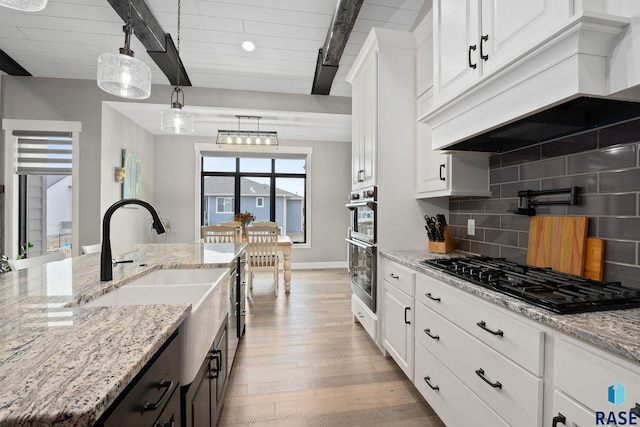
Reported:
(248, 46)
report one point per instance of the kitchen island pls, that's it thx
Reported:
(64, 364)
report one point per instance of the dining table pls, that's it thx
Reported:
(285, 243)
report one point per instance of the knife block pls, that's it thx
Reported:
(443, 247)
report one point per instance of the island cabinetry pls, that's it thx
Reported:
(498, 359)
(588, 381)
(398, 335)
(151, 398)
(202, 399)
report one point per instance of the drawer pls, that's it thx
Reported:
(516, 394)
(496, 327)
(399, 276)
(586, 373)
(362, 314)
(569, 413)
(152, 387)
(454, 403)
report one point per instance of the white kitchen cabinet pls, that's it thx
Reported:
(398, 327)
(474, 38)
(398, 334)
(583, 375)
(364, 316)
(364, 124)
(441, 174)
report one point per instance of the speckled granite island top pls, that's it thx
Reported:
(62, 364)
(617, 331)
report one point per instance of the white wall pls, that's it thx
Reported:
(129, 224)
(330, 185)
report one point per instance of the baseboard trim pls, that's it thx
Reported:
(318, 265)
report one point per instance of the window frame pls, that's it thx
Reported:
(224, 203)
(209, 149)
(259, 202)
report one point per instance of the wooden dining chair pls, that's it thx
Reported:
(21, 264)
(262, 252)
(218, 234)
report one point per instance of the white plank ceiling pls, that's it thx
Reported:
(65, 39)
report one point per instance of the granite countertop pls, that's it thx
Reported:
(617, 330)
(62, 364)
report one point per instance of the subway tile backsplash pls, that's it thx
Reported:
(603, 163)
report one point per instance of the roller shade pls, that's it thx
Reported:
(43, 153)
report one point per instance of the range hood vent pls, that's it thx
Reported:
(573, 117)
(557, 88)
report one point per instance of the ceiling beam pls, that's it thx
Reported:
(10, 66)
(330, 53)
(158, 44)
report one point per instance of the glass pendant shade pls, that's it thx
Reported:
(176, 121)
(24, 5)
(124, 76)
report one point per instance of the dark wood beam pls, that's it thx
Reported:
(10, 66)
(158, 44)
(337, 37)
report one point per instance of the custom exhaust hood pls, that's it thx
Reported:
(556, 89)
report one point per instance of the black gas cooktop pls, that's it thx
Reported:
(559, 292)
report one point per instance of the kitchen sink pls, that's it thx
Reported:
(207, 290)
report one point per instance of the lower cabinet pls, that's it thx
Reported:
(153, 397)
(202, 399)
(364, 316)
(398, 327)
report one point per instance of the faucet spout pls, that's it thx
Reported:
(106, 266)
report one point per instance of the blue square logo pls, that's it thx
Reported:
(616, 394)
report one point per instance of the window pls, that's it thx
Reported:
(273, 189)
(224, 204)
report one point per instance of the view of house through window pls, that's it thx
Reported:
(45, 192)
(270, 188)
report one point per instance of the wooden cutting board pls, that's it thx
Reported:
(558, 242)
(594, 259)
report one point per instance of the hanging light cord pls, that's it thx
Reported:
(178, 50)
(128, 29)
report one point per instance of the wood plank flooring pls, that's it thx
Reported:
(304, 362)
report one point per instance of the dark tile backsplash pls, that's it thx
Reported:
(603, 163)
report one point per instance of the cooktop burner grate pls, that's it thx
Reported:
(559, 292)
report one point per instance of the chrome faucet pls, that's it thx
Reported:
(106, 266)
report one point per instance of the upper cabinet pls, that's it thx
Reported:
(474, 38)
(364, 112)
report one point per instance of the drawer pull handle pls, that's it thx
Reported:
(406, 309)
(428, 381)
(167, 385)
(394, 276)
(428, 332)
(215, 372)
(483, 325)
(482, 40)
(428, 295)
(480, 373)
(559, 419)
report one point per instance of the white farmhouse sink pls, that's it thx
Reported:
(207, 290)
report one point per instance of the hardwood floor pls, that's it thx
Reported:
(304, 362)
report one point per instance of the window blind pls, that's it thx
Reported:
(43, 153)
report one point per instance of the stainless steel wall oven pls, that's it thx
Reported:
(362, 245)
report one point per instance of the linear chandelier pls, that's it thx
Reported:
(247, 137)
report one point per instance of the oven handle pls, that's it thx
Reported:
(362, 245)
(370, 204)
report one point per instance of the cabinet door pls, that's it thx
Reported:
(398, 327)
(456, 45)
(199, 406)
(432, 168)
(511, 27)
(365, 124)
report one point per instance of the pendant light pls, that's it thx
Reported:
(256, 138)
(176, 120)
(24, 5)
(122, 75)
